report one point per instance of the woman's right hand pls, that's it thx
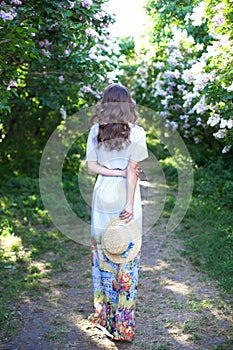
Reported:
(126, 215)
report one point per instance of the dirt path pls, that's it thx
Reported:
(177, 307)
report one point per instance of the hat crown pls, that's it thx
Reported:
(117, 238)
(121, 242)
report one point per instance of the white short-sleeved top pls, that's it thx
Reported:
(136, 150)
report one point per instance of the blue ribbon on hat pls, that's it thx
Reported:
(126, 252)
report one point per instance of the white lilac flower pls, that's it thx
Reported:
(111, 76)
(201, 106)
(172, 74)
(46, 53)
(67, 52)
(171, 83)
(184, 117)
(189, 96)
(71, 4)
(160, 92)
(101, 78)
(164, 114)
(221, 6)
(187, 103)
(99, 15)
(7, 16)
(71, 43)
(11, 84)
(213, 120)
(63, 113)
(159, 65)
(229, 88)
(226, 149)
(199, 47)
(187, 76)
(223, 123)
(86, 89)
(196, 140)
(91, 32)
(176, 73)
(198, 121)
(86, 3)
(164, 102)
(54, 25)
(230, 123)
(96, 94)
(92, 56)
(178, 36)
(93, 50)
(44, 43)
(61, 79)
(172, 61)
(176, 53)
(220, 134)
(16, 2)
(186, 125)
(101, 58)
(174, 125)
(218, 19)
(169, 90)
(198, 14)
(197, 67)
(106, 48)
(202, 79)
(176, 107)
(105, 7)
(181, 87)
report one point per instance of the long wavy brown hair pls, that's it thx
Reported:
(113, 114)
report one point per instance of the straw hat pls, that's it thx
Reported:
(121, 242)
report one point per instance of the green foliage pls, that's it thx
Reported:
(214, 181)
(208, 237)
(26, 237)
(54, 56)
(127, 47)
(168, 13)
(184, 72)
(207, 228)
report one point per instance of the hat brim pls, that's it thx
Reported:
(135, 238)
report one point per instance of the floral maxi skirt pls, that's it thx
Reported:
(115, 285)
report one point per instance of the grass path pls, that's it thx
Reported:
(177, 306)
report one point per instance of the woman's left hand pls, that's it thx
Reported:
(138, 172)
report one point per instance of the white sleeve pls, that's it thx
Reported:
(139, 147)
(91, 149)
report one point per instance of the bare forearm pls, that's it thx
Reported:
(96, 168)
(131, 180)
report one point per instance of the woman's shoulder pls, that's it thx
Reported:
(136, 130)
(94, 130)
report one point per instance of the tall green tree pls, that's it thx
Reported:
(55, 57)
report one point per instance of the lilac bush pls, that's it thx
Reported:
(56, 57)
(188, 78)
(49, 42)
